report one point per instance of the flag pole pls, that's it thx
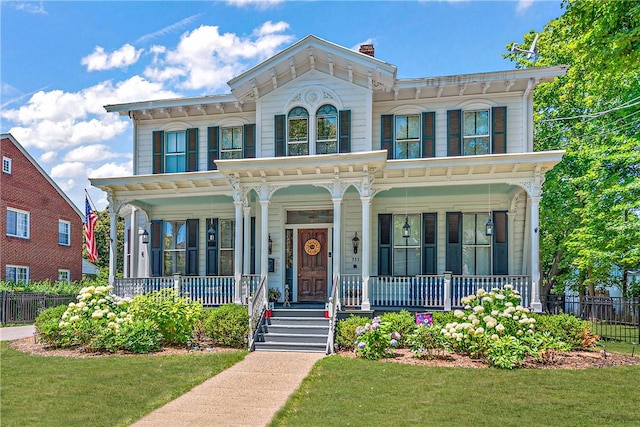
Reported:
(93, 205)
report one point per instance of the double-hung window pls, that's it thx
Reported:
(406, 250)
(476, 133)
(327, 130)
(17, 223)
(64, 275)
(227, 238)
(476, 245)
(64, 232)
(407, 144)
(16, 273)
(232, 141)
(175, 152)
(6, 165)
(175, 247)
(298, 132)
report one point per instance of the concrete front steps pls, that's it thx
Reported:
(294, 329)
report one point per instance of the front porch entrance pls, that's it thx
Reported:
(312, 264)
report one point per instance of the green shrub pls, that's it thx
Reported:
(48, 324)
(175, 316)
(402, 322)
(141, 336)
(441, 318)
(228, 325)
(376, 340)
(345, 337)
(567, 328)
(427, 342)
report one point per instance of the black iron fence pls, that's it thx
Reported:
(612, 318)
(24, 307)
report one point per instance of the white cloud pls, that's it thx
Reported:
(206, 59)
(90, 153)
(259, 4)
(99, 60)
(37, 9)
(168, 29)
(68, 169)
(61, 120)
(109, 170)
(523, 5)
(48, 157)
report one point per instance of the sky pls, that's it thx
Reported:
(62, 62)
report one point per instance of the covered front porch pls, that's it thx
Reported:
(433, 292)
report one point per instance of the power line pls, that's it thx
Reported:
(598, 114)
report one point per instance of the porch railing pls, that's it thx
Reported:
(429, 291)
(462, 286)
(210, 290)
(250, 283)
(332, 310)
(257, 308)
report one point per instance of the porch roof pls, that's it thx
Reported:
(350, 168)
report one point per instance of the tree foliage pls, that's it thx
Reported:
(590, 212)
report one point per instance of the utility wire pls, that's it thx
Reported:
(598, 114)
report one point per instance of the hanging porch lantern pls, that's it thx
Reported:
(355, 242)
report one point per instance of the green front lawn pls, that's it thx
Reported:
(97, 391)
(355, 392)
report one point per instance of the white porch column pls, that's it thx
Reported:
(366, 251)
(264, 240)
(112, 243)
(246, 267)
(534, 209)
(337, 240)
(134, 243)
(238, 250)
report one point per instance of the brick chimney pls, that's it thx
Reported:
(367, 49)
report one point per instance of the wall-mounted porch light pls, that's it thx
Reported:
(211, 235)
(356, 242)
(145, 236)
(270, 244)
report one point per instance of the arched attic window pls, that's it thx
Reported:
(327, 130)
(298, 132)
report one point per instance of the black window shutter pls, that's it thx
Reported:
(156, 248)
(192, 150)
(192, 247)
(158, 152)
(212, 247)
(213, 149)
(454, 133)
(249, 136)
(454, 242)
(344, 126)
(279, 132)
(385, 244)
(499, 130)
(386, 134)
(500, 243)
(429, 249)
(429, 134)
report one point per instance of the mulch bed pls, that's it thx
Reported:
(573, 360)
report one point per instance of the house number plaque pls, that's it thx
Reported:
(312, 247)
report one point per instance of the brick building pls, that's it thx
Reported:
(42, 234)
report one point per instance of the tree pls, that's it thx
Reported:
(102, 230)
(590, 212)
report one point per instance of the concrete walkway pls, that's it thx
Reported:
(247, 394)
(16, 332)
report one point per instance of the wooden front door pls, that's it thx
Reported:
(312, 264)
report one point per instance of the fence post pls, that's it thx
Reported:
(177, 282)
(447, 291)
(3, 308)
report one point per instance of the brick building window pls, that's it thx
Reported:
(64, 232)
(17, 223)
(6, 165)
(64, 275)
(16, 273)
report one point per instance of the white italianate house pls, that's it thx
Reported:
(324, 176)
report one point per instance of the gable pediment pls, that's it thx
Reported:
(308, 55)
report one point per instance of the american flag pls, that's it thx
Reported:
(90, 221)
